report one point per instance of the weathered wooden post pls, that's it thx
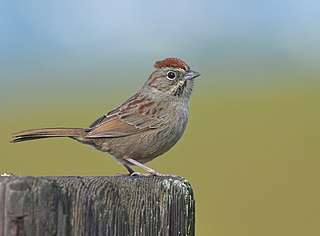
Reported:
(92, 206)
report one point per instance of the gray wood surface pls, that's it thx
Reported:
(118, 205)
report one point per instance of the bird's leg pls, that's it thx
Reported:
(131, 171)
(146, 168)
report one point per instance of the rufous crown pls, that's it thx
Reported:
(171, 62)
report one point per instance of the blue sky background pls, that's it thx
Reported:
(65, 35)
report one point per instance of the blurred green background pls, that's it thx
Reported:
(251, 149)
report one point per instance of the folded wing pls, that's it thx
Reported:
(138, 114)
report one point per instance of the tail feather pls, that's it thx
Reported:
(32, 134)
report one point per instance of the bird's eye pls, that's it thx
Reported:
(171, 75)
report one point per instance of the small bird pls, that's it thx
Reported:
(145, 126)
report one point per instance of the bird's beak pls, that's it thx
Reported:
(190, 74)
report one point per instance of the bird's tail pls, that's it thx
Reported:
(32, 134)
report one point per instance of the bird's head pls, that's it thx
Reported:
(172, 77)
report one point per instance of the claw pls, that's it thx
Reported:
(136, 174)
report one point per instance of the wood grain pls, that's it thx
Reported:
(119, 205)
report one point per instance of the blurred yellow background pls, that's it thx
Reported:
(251, 149)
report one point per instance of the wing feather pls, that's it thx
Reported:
(136, 115)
